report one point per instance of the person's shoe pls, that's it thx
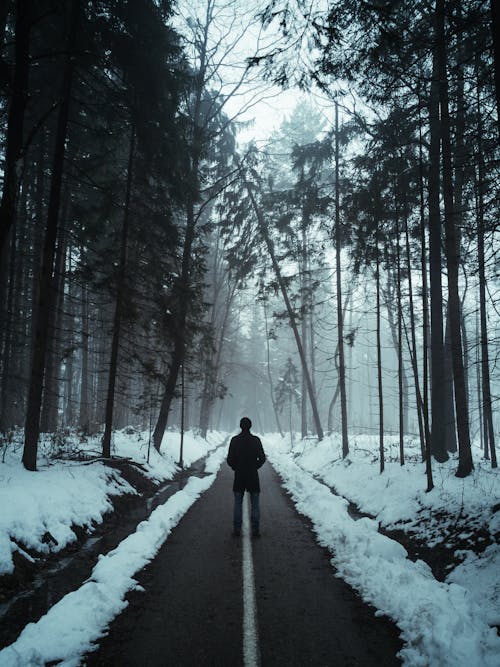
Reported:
(236, 532)
(255, 532)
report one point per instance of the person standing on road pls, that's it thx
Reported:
(245, 457)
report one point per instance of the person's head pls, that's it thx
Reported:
(245, 424)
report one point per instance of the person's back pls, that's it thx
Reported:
(245, 457)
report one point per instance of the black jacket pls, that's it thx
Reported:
(245, 457)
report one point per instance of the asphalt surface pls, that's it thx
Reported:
(191, 613)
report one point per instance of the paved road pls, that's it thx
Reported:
(191, 613)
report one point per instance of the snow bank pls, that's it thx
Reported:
(442, 623)
(65, 494)
(72, 626)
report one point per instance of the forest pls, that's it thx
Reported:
(159, 271)
(285, 210)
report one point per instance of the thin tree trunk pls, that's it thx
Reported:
(423, 424)
(487, 413)
(303, 325)
(400, 348)
(50, 398)
(183, 284)
(12, 166)
(84, 416)
(69, 327)
(379, 365)
(42, 308)
(269, 374)
(482, 439)
(291, 315)
(178, 352)
(7, 342)
(335, 356)
(495, 31)
(465, 464)
(438, 440)
(120, 296)
(447, 395)
(340, 314)
(425, 318)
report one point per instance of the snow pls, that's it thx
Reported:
(64, 494)
(81, 617)
(479, 575)
(446, 623)
(442, 623)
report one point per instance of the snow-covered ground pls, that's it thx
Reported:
(81, 617)
(39, 510)
(442, 623)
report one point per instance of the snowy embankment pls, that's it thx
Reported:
(442, 623)
(40, 510)
(73, 625)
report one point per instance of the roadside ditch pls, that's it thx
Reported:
(34, 587)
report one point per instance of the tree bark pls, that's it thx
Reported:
(50, 398)
(13, 163)
(340, 314)
(495, 32)
(465, 464)
(269, 374)
(423, 423)
(447, 396)
(120, 296)
(425, 318)
(45, 296)
(379, 363)
(291, 314)
(487, 413)
(438, 441)
(400, 348)
(183, 284)
(303, 325)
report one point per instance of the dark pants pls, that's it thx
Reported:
(238, 509)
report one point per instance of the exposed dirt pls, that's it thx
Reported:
(27, 567)
(444, 553)
(448, 536)
(35, 586)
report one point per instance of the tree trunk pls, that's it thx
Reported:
(465, 464)
(84, 416)
(425, 318)
(487, 413)
(178, 352)
(12, 167)
(45, 296)
(495, 31)
(303, 325)
(400, 348)
(340, 314)
(120, 295)
(447, 396)
(291, 314)
(49, 412)
(68, 316)
(7, 341)
(438, 441)
(423, 424)
(183, 284)
(269, 374)
(379, 364)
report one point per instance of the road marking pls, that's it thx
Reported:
(251, 654)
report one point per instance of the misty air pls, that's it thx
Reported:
(249, 333)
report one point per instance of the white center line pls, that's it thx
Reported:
(251, 654)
